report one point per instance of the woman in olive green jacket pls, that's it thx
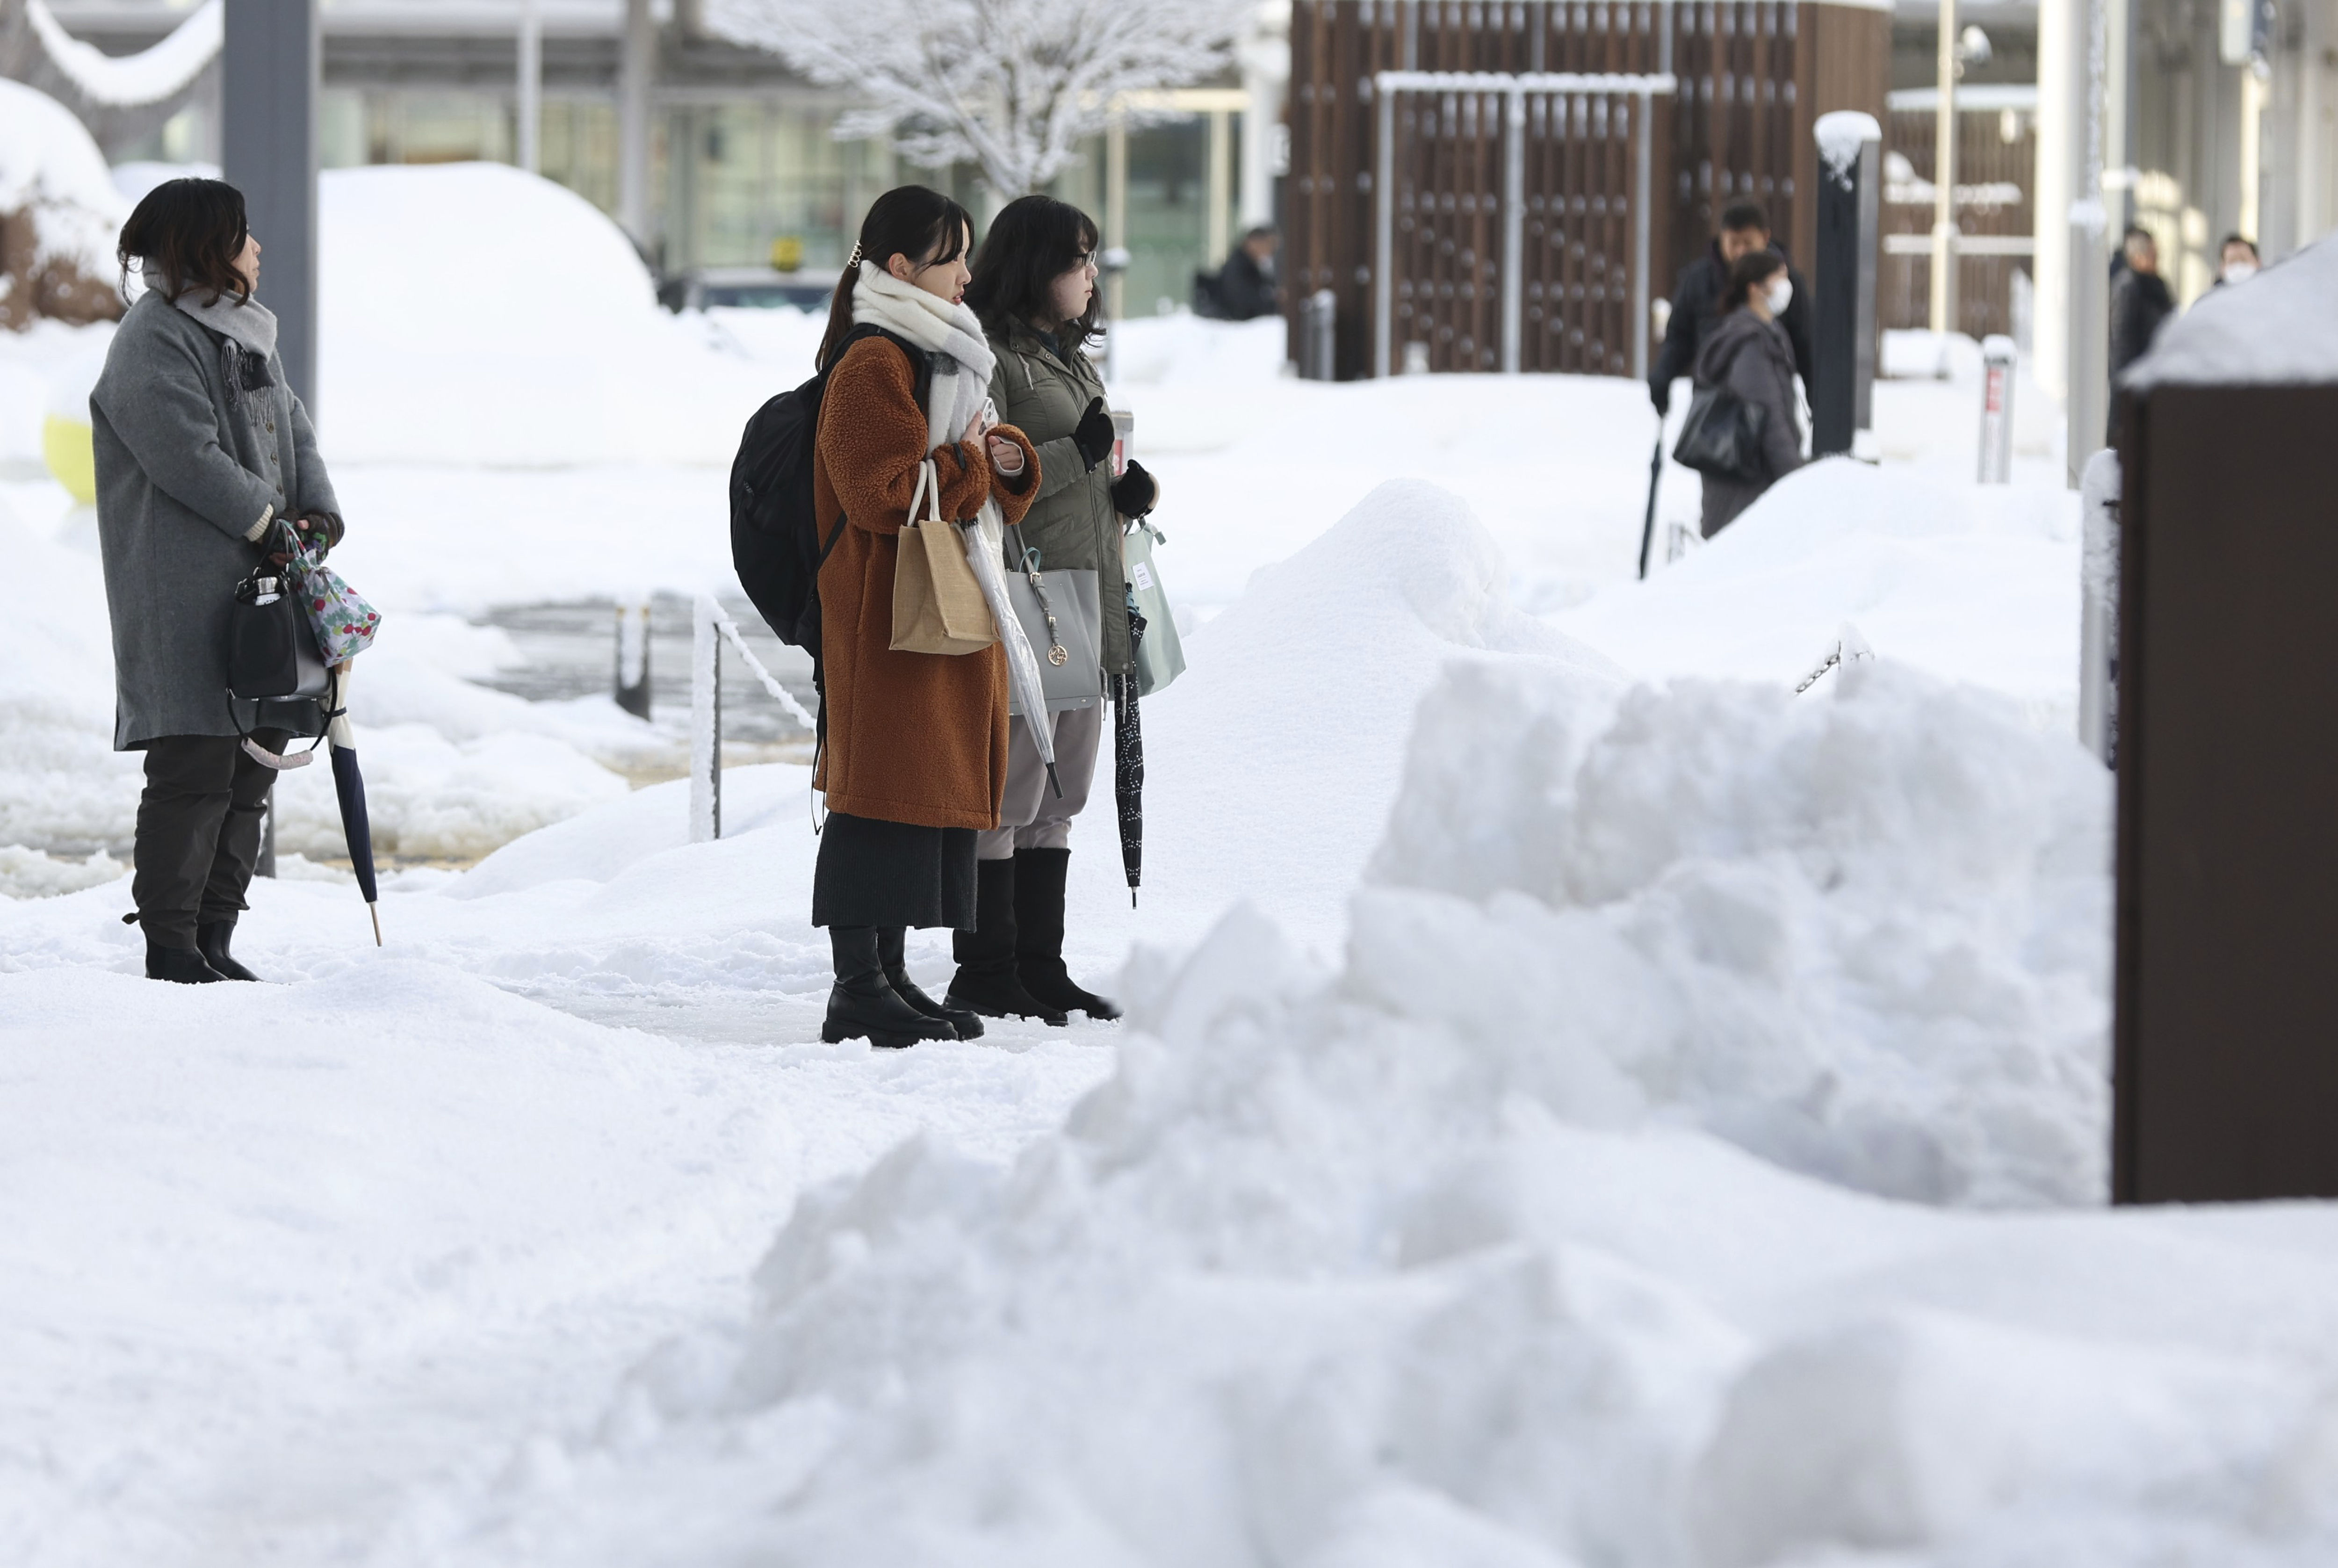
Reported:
(1034, 289)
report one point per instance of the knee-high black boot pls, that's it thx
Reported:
(892, 951)
(864, 1003)
(985, 982)
(1039, 876)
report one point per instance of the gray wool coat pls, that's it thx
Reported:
(1756, 360)
(187, 482)
(1072, 524)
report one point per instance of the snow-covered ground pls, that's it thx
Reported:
(1582, 1104)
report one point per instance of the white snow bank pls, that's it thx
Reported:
(452, 769)
(1421, 1263)
(1272, 762)
(538, 341)
(2278, 327)
(1972, 583)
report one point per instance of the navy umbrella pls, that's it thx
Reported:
(348, 784)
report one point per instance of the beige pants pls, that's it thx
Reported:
(1031, 817)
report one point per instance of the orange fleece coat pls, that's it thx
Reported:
(915, 738)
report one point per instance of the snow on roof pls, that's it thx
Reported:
(49, 167)
(2277, 329)
(148, 76)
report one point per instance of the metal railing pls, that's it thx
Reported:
(711, 627)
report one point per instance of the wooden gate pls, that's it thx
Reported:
(1514, 228)
(1753, 76)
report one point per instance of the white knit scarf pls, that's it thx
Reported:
(962, 377)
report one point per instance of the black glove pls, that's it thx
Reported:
(1136, 492)
(1662, 396)
(1093, 436)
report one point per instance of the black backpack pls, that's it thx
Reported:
(776, 542)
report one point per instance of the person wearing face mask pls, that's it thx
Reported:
(2236, 260)
(1748, 353)
(1697, 304)
(914, 758)
(1035, 289)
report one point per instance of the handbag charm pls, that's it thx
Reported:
(1056, 652)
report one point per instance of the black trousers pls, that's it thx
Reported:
(198, 827)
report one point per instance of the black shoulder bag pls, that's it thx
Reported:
(1722, 437)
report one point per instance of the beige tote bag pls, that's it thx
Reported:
(937, 605)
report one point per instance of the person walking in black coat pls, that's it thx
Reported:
(2140, 306)
(1748, 353)
(1697, 302)
(2140, 303)
(202, 452)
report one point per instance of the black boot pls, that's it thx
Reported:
(211, 939)
(985, 982)
(1039, 934)
(184, 964)
(863, 1004)
(892, 942)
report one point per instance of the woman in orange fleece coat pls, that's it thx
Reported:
(916, 757)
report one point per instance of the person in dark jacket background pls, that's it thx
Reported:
(1246, 284)
(2140, 306)
(202, 454)
(1697, 304)
(2140, 303)
(1748, 353)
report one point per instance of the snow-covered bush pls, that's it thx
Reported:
(60, 215)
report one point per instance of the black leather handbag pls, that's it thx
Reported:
(273, 667)
(1722, 437)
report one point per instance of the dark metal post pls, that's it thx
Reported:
(1850, 148)
(632, 672)
(268, 150)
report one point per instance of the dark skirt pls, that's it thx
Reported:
(872, 873)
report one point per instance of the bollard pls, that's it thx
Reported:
(1319, 320)
(1843, 307)
(705, 721)
(1996, 361)
(2098, 607)
(632, 672)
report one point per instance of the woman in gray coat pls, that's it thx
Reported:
(1748, 351)
(1034, 288)
(201, 452)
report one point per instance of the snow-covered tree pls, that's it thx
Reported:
(1011, 85)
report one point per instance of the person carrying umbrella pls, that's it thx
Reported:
(1034, 287)
(916, 754)
(202, 450)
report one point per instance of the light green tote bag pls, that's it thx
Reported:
(1160, 656)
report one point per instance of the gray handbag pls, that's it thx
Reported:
(1060, 614)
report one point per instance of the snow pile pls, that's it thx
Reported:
(1337, 1269)
(60, 210)
(1272, 762)
(62, 784)
(539, 342)
(1970, 582)
(31, 874)
(1842, 135)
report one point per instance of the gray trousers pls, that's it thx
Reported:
(1031, 817)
